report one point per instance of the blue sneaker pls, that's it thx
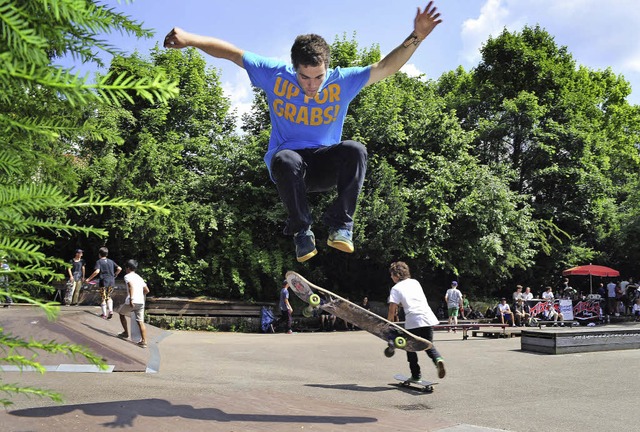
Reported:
(341, 240)
(305, 245)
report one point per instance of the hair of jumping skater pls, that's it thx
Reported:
(310, 50)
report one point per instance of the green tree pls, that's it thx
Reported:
(41, 117)
(557, 131)
(219, 240)
(423, 189)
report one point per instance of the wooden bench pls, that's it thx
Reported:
(565, 323)
(477, 329)
(493, 330)
(203, 308)
(205, 314)
(464, 327)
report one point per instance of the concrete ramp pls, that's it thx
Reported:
(81, 326)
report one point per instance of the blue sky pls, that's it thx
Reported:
(599, 34)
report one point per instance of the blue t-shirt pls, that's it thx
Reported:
(297, 121)
(284, 295)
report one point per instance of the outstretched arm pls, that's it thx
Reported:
(423, 25)
(178, 38)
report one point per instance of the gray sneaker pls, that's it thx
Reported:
(305, 245)
(341, 239)
(440, 365)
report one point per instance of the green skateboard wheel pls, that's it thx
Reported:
(400, 342)
(314, 299)
(307, 312)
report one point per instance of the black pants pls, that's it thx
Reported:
(412, 357)
(297, 172)
(285, 317)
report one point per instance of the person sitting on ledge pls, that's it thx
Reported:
(522, 313)
(551, 314)
(504, 311)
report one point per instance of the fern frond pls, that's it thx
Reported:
(16, 389)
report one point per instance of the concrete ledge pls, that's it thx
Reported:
(572, 340)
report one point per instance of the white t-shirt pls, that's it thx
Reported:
(527, 296)
(504, 308)
(137, 284)
(454, 298)
(408, 293)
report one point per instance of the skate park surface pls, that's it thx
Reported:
(325, 381)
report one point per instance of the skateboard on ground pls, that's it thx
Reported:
(405, 381)
(394, 335)
(68, 293)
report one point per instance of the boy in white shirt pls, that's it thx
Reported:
(419, 317)
(136, 291)
(505, 312)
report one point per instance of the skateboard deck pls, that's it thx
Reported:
(405, 381)
(394, 335)
(68, 293)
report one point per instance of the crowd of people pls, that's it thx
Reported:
(618, 298)
(621, 297)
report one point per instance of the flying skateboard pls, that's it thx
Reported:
(394, 335)
(405, 381)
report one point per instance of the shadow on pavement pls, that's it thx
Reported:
(126, 412)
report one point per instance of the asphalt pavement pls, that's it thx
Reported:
(338, 381)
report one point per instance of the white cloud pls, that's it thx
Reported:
(492, 19)
(597, 34)
(239, 93)
(411, 70)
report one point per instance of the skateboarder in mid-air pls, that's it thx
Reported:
(419, 317)
(308, 102)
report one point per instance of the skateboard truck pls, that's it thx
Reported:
(390, 350)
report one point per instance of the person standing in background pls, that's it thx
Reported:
(76, 276)
(108, 271)
(453, 297)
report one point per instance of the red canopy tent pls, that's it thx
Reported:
(591, 270)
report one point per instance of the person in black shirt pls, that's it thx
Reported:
(76, 277)
(107, 271)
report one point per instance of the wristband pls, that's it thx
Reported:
(412, 39)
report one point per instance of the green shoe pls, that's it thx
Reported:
(415, 378)
(341, 239)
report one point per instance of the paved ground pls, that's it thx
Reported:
(320, 382)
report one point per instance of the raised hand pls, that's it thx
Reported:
(426, 21)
